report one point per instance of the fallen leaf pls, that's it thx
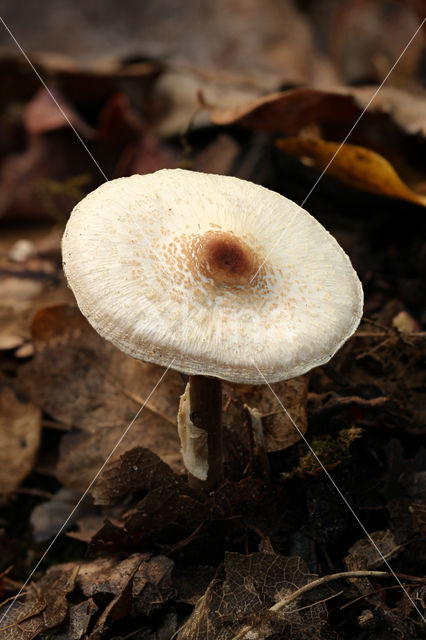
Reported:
(12, 335)
(288, 111)
(82, 454)
(78, 620)
(42, 114)
(169, 510)
(145, 155)
(54, 587)
(355, 166)
(19, 293)
(279, 430)
(118, 122)
(152, 585)
(240, 595)
(363, 555)
(22, 621)
(82, 380)
(20, 430)
(292, 110)
(139, 470)
(55, 170)
(405, 108)
(169, 503)
(115, 610)
(45, 605)
(150, 577)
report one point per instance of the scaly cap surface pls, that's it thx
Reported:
(214, 271)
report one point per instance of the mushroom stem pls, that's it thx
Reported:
(205, 398)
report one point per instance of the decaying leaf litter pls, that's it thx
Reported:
(146, 555)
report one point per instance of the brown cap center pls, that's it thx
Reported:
(225, 258)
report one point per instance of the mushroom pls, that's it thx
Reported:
(215, 275)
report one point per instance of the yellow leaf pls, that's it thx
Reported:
(353, 165)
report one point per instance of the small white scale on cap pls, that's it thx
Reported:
(213, 271)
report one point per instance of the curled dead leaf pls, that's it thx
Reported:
(292, 110)
(353, 165)
(288, 111)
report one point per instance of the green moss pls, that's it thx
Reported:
(331, 451)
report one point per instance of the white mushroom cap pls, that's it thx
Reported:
(213, 271)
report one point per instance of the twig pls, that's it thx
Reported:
(379, 325)
(338, 576)
(372, 593)
(335, 403)
(319, 581)
(333, 595)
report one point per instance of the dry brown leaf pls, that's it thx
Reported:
(20, 430)
(150, 576)
(191, 582)
(22, 621)
(78, 620)
(290, 111)
(110, 575)
(54, 586)
(406, 108)
(169, 504)
(45, 605)
(363, 555)
(169, 507)
(145, 155)
(80, 379)
(279, 430)
(82, 454)
(138, 470)
(355, 166)
(48, 178)
(241, 594)
(116, 609)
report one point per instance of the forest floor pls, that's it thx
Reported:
(145, 556)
